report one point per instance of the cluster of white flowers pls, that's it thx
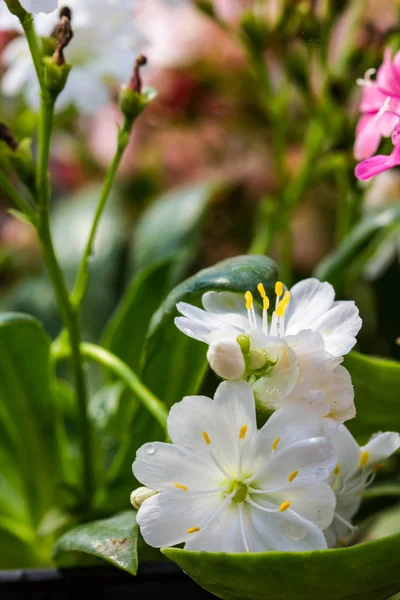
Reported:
(95, 60)
(223, 485)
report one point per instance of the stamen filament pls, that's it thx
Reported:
(263, 508)
(345, 522)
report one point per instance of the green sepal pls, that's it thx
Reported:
(55, 76)
(133, 103)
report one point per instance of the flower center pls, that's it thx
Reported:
(281, 304)
(241, 491)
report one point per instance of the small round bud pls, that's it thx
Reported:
(139, 495)
(244, 343)
(226, 359)
(55, 76)
(257, 360)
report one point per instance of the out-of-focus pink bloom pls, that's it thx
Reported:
(380, 105)
(381, 162)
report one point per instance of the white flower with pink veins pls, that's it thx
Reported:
(225, 486)
(291, 359)
(103, 49)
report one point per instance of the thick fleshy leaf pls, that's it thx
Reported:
(363, 571)
(113, 540)
(27, 420)
(174, 364)
(153, 241)
(376, 384)
(353, 254)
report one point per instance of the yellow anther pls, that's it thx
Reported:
(364, 458)
(275, 444)
(206, 437)
(193, 529)
(265, 303)
(181, 487)
(279, 288)
(261, 289)
(292, 476)
(341, 542)
(249, 300)
(284, 506)
(337, 470)
(243, 432)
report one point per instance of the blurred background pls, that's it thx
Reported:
(247, 148)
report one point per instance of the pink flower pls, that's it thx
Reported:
(381, 162)
(380, 105)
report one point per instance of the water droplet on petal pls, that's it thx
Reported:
(150, 449)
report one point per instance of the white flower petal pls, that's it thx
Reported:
(291, 425)
(347, 450)
(221, 535)
(165, 519)
(339, 326)
(226, 359)
(229, 307)
(313, 460)
(272, 389)
(305, 342)
(286, 531)
(236, 400)
(194, 328)
(309, 299)
(160, 466)
(381, 446)
(315, 503)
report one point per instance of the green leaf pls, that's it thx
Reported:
(376, 384)
(343, 258)
(183, 210)
(126, 331)
(113, 540)
(174, 365)
(27, 420)
(369, 570)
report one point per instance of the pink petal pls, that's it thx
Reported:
(388, 77)
(377, 164)
(368, 137)
(372, 98)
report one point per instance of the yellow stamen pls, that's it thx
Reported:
(283, 304)
(337, 470)
(292, 476)
(181, 487)
(261, 289)
(284, 506)
(243, 432)
(249, 300)
(364, 458)
(206, 437)
(265, 303)
(275, 444)
(341, 542)
(279, 288)
(193, 529)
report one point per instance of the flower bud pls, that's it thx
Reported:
(226, 359)
(139, 495)
(133, 99)
(55, 76)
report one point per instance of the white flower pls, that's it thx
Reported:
(31, 6)
(354, 472)
(225, 486)
(38, 6)
(102, 49)
(295, 358)
(139, 495)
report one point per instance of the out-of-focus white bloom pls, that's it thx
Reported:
(102, 49)
(354, 471)
(225, 486)
(293, 360)
(38, 6)
(32, 6)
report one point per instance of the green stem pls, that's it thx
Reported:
(69, 314)
(121, 369)
(82, 279)
(28, 25)
(16, 197)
